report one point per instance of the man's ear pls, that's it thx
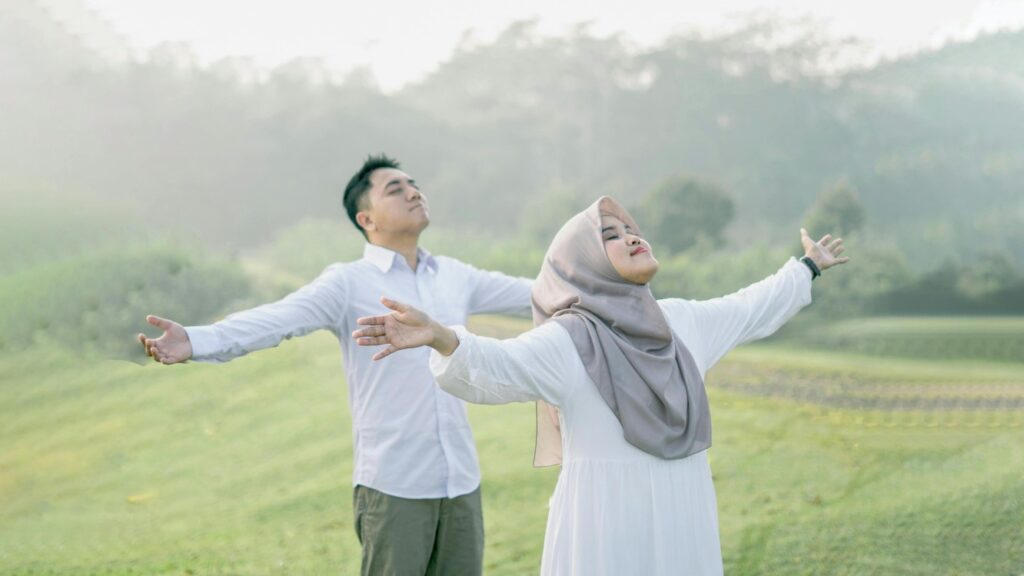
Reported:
(364, 220)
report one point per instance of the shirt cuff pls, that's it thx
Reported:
(448, 366)
(793, 262)
(802, 272)
(203, 340)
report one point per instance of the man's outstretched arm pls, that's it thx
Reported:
(498, 293)
(319, 304)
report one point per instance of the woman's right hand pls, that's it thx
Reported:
(406, 327)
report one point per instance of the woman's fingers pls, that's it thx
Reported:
(371, 320)
(375, 330)
(372, 340)
(385, 352)
(394, 304)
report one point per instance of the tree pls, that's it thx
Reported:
(681, 211)
(837, 211)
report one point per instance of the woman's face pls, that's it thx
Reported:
(629, 253)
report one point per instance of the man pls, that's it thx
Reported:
(416, 494)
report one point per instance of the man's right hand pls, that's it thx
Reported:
(170, 348)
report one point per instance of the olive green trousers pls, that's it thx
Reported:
(418, 537)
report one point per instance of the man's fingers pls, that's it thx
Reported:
(159, 322)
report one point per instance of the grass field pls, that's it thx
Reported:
(965, 337)
(825, 462)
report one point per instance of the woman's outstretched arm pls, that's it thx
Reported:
(714, 327)
(475, 368)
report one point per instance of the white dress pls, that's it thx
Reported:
(617, 510)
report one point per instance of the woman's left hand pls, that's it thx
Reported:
(406, 327)
(825, 252)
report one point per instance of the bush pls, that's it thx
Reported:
(98, 301)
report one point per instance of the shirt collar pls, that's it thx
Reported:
(384, 258)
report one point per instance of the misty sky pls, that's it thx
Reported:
(401, 40)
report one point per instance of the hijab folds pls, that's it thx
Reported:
(645, 375)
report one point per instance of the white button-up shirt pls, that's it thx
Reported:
(411, 439)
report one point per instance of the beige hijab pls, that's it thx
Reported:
(644, 373)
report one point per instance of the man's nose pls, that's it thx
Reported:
(414, 193)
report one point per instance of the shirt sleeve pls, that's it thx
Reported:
(319, 304)
(716, 326)
(497, 293)
(532, 366)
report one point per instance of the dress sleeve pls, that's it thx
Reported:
(714, 327)
(319, 304)
(532, 366)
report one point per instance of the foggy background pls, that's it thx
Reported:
(188, 159)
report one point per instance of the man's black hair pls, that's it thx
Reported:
(360, 184)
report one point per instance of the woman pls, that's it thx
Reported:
(626, 374)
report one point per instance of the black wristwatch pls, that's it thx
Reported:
(815, 271)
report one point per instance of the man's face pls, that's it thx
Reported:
(396, 206)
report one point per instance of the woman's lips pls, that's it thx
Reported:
(638, 250)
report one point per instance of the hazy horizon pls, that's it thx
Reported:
(402, 42)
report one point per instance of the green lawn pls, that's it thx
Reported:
(245, 468)
(998, 338)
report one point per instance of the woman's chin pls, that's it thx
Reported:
(644, 276)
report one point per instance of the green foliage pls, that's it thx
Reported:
(997, 338)
(681, 211)
(515, 255)
(702, 273)
(99, 301)
(38, 225)
(837, 211)
(990, 284)
(543, 216)
(874, 271)
(304, 249)
(300, 252)
(929, 140)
